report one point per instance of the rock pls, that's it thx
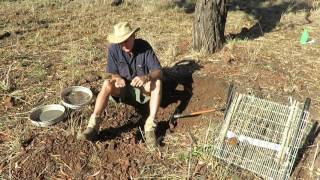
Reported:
(288, 89)
(47, 65)
(4, 35)
(25, 63)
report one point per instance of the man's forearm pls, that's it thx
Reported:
(155, 74)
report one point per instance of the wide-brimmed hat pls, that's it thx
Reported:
(121, 32)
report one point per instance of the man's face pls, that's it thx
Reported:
(127, 45)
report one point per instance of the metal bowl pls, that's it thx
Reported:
(47, 115)
(76, 97)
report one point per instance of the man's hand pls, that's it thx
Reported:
(139, 81)
(119, 82)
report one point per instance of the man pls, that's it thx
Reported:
(135, 75)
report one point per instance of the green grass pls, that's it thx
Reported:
(39, 73)
(39, 90)
(4, 86)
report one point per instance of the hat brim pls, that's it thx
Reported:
(119, 39)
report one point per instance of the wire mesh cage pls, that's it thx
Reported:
(262, 136)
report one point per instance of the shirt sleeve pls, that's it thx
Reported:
(112, 65)
(152, 60)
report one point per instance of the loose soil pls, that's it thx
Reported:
(120, 151)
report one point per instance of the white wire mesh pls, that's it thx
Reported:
(261, 136)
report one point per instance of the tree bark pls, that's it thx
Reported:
(209, 24)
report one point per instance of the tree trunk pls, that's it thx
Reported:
(209, 24)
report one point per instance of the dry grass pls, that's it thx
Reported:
(189, 156)
(71, 35)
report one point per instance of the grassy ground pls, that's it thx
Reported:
(47, 45)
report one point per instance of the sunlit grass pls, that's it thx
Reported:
(72, 36)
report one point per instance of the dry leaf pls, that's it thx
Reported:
(8, 102)
(233, 141)
(2, 165)
(3, 137)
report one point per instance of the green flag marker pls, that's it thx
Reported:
(304, 37)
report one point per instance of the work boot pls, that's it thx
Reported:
(150, 136)
(151, 139)
(92, 131)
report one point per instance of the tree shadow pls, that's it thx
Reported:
(267, 15)
(177, 88)
(188, 6)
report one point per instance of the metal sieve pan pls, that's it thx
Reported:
(47, 115)
(75, 97)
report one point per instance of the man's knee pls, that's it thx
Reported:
(107, 86)
(156, 85)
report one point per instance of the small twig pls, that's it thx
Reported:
(311, 146)
(142, 133)
(13, 116)
(314, 158)
(23, 161)
(144, 138)
(190, 153)
(207, 133)
(26, 102)
(59, 129)
(43, 171)
(63, 173)
(10, 168)
(56, 157)
(190, 159)
(193, 139)
(7, 84)
(95, 174)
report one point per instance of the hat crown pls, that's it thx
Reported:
(121, 32)
(122, 29)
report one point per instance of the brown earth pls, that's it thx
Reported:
(120, 152)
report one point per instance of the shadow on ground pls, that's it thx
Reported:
(308, 140)
(267, 14)
(188, 6)
(177, 88)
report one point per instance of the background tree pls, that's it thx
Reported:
(209, 24)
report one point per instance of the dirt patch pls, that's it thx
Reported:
(120, 152)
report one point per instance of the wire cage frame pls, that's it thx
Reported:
(261, 135)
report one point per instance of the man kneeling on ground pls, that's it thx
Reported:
(135, 75)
